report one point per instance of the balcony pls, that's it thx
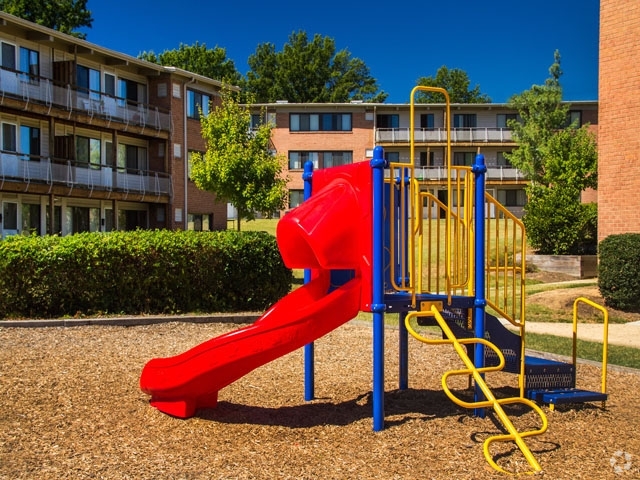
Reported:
(439, 135)
(40, 90)
(15, 167)
(495, 173)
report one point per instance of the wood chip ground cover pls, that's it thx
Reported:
(72, 408)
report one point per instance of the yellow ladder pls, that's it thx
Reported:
(432, 309)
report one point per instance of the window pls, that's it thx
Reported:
(30, 64)
(31, 218)
(110, 84)
(88, 152)
(8, 53)
(83, 219)
(30, 142)
(298, 159)
(131, 158)
(512, 198)
(132, 92)
(197, 101)
(502, 161)
(88, 81)
(132, 219)
(427, 159)
(325, 122)
(296, 197)
(319, 159)
(463, 158)
(9, 141)
(392, 156)
(388, 121)
(464, 120)
(502, 119)
(256, 120)
(427, 121)
(574, 118)
(199, 222)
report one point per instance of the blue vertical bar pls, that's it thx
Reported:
(377, 306)
(309, 369)
(479, 169)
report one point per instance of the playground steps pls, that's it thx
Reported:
(547, 381)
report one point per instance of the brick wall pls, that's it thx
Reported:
(619, 111)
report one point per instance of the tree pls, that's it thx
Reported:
(62, 15)
(455, 82)
(309, 72)
(560, 161)
(239, 165)
(197, 58)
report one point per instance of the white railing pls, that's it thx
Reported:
(95, 104)
(20, 168)
(437, 135)
(494, 172)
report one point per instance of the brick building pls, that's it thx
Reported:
(619, 100)
(94, 140)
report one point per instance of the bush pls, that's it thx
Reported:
(558, 224)
(619, 271)
(140, 272)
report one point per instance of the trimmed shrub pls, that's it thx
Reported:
(140, 272)
(619, 271)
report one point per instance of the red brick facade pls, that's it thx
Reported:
(619, 109)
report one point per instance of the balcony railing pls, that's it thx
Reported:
(15, 167)
(439, 135)
(494, 172)
(45, 91)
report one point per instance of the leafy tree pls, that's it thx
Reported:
(62, 15)
(309, 72)
(455, 82)
(197, 58)
(560, 162)
(239, 165)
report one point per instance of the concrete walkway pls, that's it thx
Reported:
(623, 334)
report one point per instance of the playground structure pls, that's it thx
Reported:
(371, 238)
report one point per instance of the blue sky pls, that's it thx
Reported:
(505, 46)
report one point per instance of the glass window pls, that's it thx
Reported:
(199, 222)
(296, 197)
(30, 64)
(30, 142)
(463, 158)
(512, 198)
(427, 159)
(88, 151)
(197, 101)
(9, 140)
(427, 121)
(110, 84)
(392, 156)
(335, 159)
(388, 121)
(8, 53)
(575, 118)
(326, 122)
(502, 119)
(464, 120)
(502, 161)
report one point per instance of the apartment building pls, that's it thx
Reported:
(95, 140)
(335, 134)
(619, 98)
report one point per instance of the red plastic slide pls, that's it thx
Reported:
(181, 384)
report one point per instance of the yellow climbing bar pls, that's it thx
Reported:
(431, 310)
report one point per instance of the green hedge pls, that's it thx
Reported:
(619, 271)
(140, 272)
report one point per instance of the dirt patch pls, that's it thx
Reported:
(72, 408)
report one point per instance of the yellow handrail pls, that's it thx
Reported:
(431, 310)
(605, 337)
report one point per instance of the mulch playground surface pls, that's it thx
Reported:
(71, 407)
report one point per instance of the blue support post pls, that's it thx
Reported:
(479, 169)
(309, 369)
(377, 302)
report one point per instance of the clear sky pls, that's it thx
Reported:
(505, 46)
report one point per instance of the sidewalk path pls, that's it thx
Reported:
(623, 334)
